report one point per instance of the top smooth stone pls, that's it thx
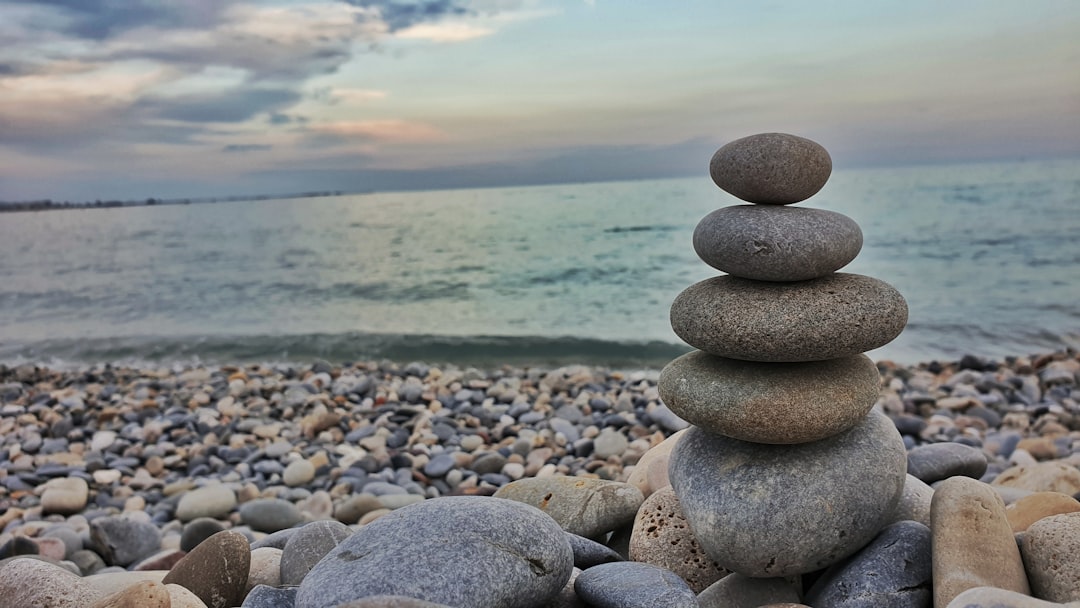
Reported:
(771, 168)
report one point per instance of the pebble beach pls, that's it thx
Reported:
(110, 476)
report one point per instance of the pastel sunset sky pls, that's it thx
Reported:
(142, 98)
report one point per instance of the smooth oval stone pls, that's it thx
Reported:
(651, 471)
(633, 585)
(1041, 477)
(589, 553)
(265, 596)
(65, 496)
(661, 537)
(582, 506)
(893, 570)
(835, 316)
(770, 402)
(198, 530)
(992, 597)
(938, 461)
(972, 543)
(309, 545)
(122, 541)
(914, 504)
(1034, 507)
(216, 571)
(768, 243)
(515, 556)
(270, 514)
(32, 583)
(1050, 549)
(770, 510)
(738, 590)
(771, 168)
(265, 568)
(214, 501)
(144, 594)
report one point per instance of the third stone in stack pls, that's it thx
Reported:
(787, 470)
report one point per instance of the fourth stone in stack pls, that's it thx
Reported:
(786, 469)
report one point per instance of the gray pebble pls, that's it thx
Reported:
(307, 546)
(938, 461)
(270, 514)
(633, 585)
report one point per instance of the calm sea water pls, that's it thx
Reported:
(988, 257)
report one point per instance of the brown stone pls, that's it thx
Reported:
(144, 594)
(661, 537)
(1034, 507)
(972, 542)
(1050, 547)
(1042, 448)
(216, 570)
(650, 473)
(771, 168)
(1041, 477)
(992, 597)
(739, 590)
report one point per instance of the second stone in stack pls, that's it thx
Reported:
(787, 469)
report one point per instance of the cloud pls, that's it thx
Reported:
(444, 32)
(247, 148)
(402, 14)
(101, 19)
(236, 105)
(386, 131)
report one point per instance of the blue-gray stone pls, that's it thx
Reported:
(198, 530)
(516, 556)
(270, 514)
(738, 590)
(276, 540)
(633, 585)
(893, 571)
(589, 553)
(391, 601)
(440, 465)
(307, 546)
(808, 510)
(122, 541)
(265, 596)
(938, 461)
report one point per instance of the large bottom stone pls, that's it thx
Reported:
(780, 510)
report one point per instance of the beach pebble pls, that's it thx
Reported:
(1034, 507)
(770, 243)
(771, 168)
(298, 473)
(586, 507)
(971, 540)
(265, 596)
(610, 443)
(198, 530)
(993, 597)
(122, 540)
(305, 548)
(265, 568)
(31, 583)
(144, 594)
(893, 570)
(738, 590)
(1050, 549)
(214, 501)
(651, 471)
(1041, 477)
(270, 514)
(390, 601)
(802, 401)
(356, 506)
(662, 537)
(633, 585)
(216, 571)
(65, 496)
(589, 553)
(914, 503)
(834, 316)
(937, 461)
(810, 512)
(516, 556)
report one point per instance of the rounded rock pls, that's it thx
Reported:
(938, 461)
(216, 571)
(214, 501)
(270, 514)
(310, 544)
(298, 473)
(1031, 509)
(633, 585)
(809, 510)
(992, 597)
(650, 474)
(517, 556)
(738, 590)
(123, 541)
(768, 243)
(1049, 548)
(65, 496)
(801, 401)
(31, 583)
(586, 507)
(834, 316)
(198, 530)
(771, 168)
(265, 568)
(1041, 477)
(914, 504)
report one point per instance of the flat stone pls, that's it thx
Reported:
(937, 461)
(1034, 507)
(198, 530)
(738, 590)
(914, 504)
(771, 168)
(309, 545)
(216, 571)
(801, 401)
(589, 553)
(144, 594)
(65, 496)
(32, 583)
(662, 537)
(835, 316)
(651, 471)
(973, 545)
(265, 596)
(992, 597)
(215, 501)
(770, 243)
(809, 510)
(265, 568)
(516, 555)
(1041, 477)
(1049, 548)
(122, 541)
(270, 514)
(583, 506)
(893, 570)
(633, 585)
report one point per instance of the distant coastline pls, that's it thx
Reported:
(51, 205)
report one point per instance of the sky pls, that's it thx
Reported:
(131, 99)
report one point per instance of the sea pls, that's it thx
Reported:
(987, 256)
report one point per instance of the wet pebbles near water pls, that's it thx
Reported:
(111, 474)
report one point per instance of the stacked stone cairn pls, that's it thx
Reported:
(787, 469)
